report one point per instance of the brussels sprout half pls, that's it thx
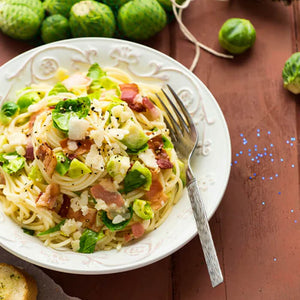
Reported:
(291, 73)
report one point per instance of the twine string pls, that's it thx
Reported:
(178, 10)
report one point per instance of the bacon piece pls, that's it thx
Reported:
(130, 94)
(127, 237)
(107, 192)
(156, 194)
(29, 150)
(2, 178)
(162, 158)
(152, 111)
(83, 146)
(89, 220)
(46, 155)
(137, 230)
(76, 80)
(63, 211)
(49, 198)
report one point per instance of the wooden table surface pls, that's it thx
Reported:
(256, 227)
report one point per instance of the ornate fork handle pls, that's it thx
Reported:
(205, 236)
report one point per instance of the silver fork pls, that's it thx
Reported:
(185, 137)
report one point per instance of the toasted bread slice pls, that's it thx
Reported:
(15, 284)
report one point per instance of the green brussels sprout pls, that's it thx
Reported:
(90, 18)
(55, 28)
(36, 175)
(34, 5)
(27, 99)
(60, 7)
(63, 163)
(12, 162)
(291, 73)
(136, 138)
(141, 19)
(142, 209)
(118, 166)
(167, 4)
(237, 35)
(8, 110)
(77, 169)
(20, 21)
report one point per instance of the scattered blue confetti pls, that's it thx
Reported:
(252, 159)
(258, 161)
(272, 159)
(235, 161)
(291, 144)
(269, 132)
(258, 130)
(287, 141)
(281, 159)
(250, 177)
(241, 152)
(237, 154)
(279, 193)
(271, 145)
(293, 166)
(295, 221)
(265, 149)
(292, 210)
(275, 259)
(255, 146)
(254, 174)
(293, 139)
(258, 134)
(249, 154)
(276, 175)
(249, 150)
(271, 154)
(263, 203)
(263, 178)
(241, 135)
(265, 154)
(271, 178)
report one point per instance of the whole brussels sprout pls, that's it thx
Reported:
(167, 4)
(34, 5)
(237, 35)
(20, 21)
(55, 28)
(90, 18)
(141, 19)
(61, 7)
(291, 73)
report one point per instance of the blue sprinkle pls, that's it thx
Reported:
(235, 161)
(241, 135)
(250, 177)
(241, 152)
(295, 221)
(258, 130)
(254, 174)
(249, 154)
(271, 145)
(231, 164)
(287, 141)
(279, 193)
(258, 161)
(256, 157)
(255, 146)
(292, 210)
(249, 150)
(252, 159)
(237, 154)
(276, 175)
(263, 178)
(263, 203)
(255, 149)
(265, 153)
(275, 259)
(265, 149)
(293, 166)
(258, 134)
(272, 159)
(281, 159)
(291, 144)
(269, 132)
(271, 178)
(271, 154)
(293, 139)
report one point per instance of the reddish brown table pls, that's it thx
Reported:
(256, 228)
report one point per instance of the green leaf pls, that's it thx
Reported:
(63, 163)
(64, 110)
(138, 151)
(53, 229)
(114, 227)
(12, 162)
(88, 240)
(36, 175)
(58, 88)
(95, 72)
(28, 231)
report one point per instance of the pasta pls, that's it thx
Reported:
(87, 164)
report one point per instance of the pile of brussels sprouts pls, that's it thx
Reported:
(61, 19)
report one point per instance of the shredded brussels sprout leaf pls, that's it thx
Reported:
(88, 240)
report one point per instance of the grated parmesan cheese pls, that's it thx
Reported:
(70, 226)
(94, 159)
(77, 128)
(148, 159)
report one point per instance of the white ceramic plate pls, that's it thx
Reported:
(211, 162)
